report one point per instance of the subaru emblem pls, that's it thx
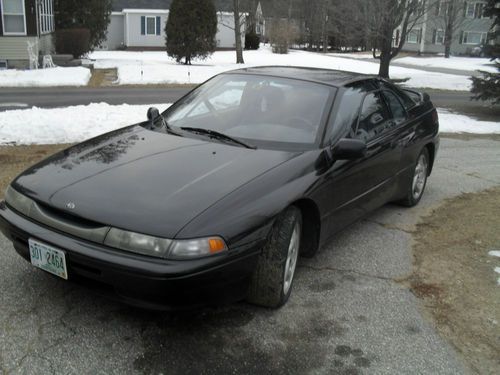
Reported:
(71, 205)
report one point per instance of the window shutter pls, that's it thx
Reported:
(143, 25)
(465, 9)
(434, 35)
(419, 36)
(158, 25)
(461, 37)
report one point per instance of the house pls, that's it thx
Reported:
(471, 29)
(23, 21)
(140, 25)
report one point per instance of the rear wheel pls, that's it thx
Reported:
(272, 280)
(416, 185)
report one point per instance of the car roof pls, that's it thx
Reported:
(330, 77)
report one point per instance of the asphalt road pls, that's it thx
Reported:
(18, 98)
(350, 311)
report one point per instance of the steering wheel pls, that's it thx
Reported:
(300, 123)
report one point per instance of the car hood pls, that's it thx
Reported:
(144, 181)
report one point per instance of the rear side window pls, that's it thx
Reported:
(397, 109)
(402, 95)
(374, 117)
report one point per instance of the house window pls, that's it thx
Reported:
(150, 25)
(474, 37)
(13, 17)
(474, 10)
(46, 12)
(413, 36)
(438, 36)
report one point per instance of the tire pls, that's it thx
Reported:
(418, 180)
(272, 280)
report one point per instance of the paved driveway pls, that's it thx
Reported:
(350, 312)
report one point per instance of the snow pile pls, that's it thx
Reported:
(77, 123)
(68, 124)
(77, 76)
(460, 63)
(496, 253)
(450, 122)
(158, 68)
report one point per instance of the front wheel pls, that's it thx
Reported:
(416, 185)
(272, 280)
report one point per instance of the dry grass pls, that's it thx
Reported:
(15, 159)
(455, 278)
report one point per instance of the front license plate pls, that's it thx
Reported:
(48, 258)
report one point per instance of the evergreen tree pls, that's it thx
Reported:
(93, 15)
(487, 87)
(191, 29)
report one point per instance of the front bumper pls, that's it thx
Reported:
(140, 280)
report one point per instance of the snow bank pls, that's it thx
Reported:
(454, 123)
(460, 63)
(77, 76)
(77, 123)
(158, 68)
(69, 124)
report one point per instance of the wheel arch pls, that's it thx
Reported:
(311, 226)
(431, 149)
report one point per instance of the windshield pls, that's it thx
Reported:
(263, 111)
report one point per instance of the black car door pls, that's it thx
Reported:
(351, 188)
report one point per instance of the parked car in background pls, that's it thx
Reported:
(215, 199)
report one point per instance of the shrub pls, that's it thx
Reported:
(282, 35)
(252, 41)
(75, 42)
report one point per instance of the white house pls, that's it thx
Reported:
(140, 25)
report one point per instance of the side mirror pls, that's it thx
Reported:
(153, 114)
(349, 149)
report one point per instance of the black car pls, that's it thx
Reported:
(214, 200)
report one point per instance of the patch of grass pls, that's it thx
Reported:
(455, 278)
(15, 159)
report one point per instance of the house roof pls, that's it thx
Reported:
(119, 5)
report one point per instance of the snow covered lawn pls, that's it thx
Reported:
(77, 76)
(158, 68)
(68, 124)
(461, 63)
(77, 123)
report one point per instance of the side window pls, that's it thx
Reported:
(346, 116)
(397, 109)
(374, 118)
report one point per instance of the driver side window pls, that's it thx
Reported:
(373, 118)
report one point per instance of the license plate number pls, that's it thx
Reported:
(48, 258)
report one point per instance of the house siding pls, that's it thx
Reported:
(115, 37)
(136, 39)
(434, 22)
(15, 47)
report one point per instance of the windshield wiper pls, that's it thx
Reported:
(216, 135)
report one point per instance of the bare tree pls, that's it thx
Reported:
(237, 32)
(449, 14)
(383, 18)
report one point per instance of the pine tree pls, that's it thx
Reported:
(487, 87)
(93, 15)
(191, 29)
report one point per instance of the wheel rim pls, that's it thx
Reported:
(420, 177)
(291, 259)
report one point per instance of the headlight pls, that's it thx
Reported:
(18, 201)
(163, 247)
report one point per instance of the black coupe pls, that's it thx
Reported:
(215, 199)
